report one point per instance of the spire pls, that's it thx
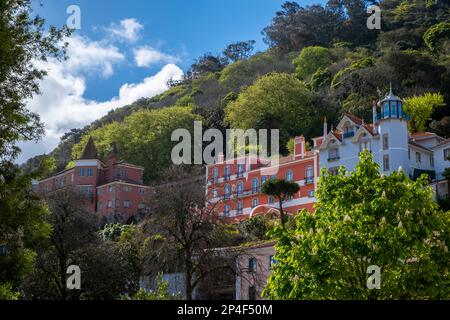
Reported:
(90, 152)
(390, 89)
(325, 127)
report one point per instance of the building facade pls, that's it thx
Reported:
(390, 143)
(234, 186)
(114, 189)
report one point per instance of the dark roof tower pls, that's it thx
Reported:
(90, 152)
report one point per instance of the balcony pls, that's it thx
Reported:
(333, 158)
(309, 180)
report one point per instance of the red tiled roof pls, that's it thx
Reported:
(337, 134)
(354, 118)
(422, 135)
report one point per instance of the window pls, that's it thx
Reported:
(255, 202)
(215, 173)
(409, 153)
(251, 293)
(386, 110)
(431, 161)
(273, 177)
(99, 205)
(272, 261)
(109, 205)
(386, 166)
(333, 154)
(271, 200)
(81, 172)
(255, 185)
(126, 203)
(99, 192)
(227, 173)
(252, 265)
(141, 206)
(127, 188)
(226, 210)
(240, 207)
(141, 190)
(311, 194)
(334, 171)
(364, 145)
(394, 109)
(289, 175)
(240, 170)
(447, 154)
(385, 141)
(263, 179)
(309, 174)
(110, 188)
(226, 191)
(418, 157)
(214, 193)
(240, 188)
(89, 172)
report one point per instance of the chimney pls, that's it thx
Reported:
(374, 117)
(325, 128)
(299, 147)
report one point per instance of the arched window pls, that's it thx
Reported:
(226, 210)
(255, 202)
(226, 191)
(255, 185)
(240, 207)
(289, 175)
(386, 109)
(227, 172)
(263, 179)
(240, 188)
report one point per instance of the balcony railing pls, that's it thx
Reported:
(334, 158)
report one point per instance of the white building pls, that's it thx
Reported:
(387, 138)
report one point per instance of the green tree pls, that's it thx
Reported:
(310, 60)
(161, 293)
(274, 101)
(281, 190)
(23, 41)
(239, 50)
(364, 218)
(420, 108)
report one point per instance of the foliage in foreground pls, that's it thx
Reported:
(362, 219)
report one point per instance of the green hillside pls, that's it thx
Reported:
(321, 61)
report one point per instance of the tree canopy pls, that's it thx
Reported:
(362, 219)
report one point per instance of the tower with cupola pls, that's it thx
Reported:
(391, 125)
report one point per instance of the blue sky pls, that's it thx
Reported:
(128, 49)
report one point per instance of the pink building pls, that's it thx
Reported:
(114, 189)
(233, 186)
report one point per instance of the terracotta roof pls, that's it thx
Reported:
(354, 118)
(422, 135)
(337, 134)
(90, 152)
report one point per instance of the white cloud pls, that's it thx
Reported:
(147, 56)
(62, 105)
(127, 29)
(91, 56)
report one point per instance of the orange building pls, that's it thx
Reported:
(233, 186)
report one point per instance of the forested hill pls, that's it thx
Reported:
(321, 61)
